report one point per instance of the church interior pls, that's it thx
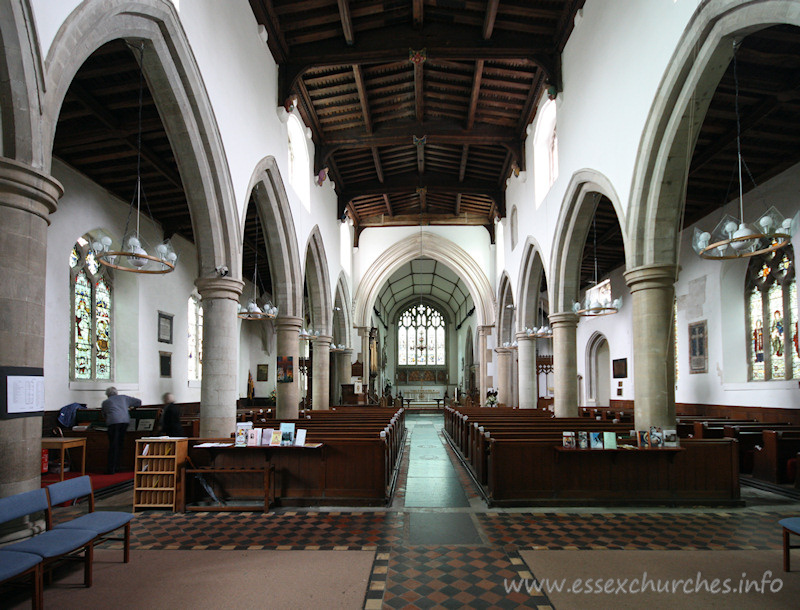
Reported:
(516, 278)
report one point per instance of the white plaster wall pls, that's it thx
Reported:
(137, 301)
(617, 330)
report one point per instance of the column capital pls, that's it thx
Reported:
(563, 318)
(219, 288)
(288, 323)
(348, 351)
(504, 350)
(322, 339)
(647, 277)
(522, 336)
(26, 188)
(485, 330)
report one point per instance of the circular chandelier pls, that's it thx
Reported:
(598, 301)
(133, 252)
(732, 237)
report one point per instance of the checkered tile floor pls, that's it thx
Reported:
(405, 575)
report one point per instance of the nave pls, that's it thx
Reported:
(438, 545)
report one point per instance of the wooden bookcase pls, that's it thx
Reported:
(157, 482)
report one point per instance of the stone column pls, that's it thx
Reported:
(363, 333)
(526, 355)
(565, 364)
(503, 381)
(345, 363)
(287, 331)
(27, 198)
(483, 357)
(321, 380)
(652, 294)
(219, 390)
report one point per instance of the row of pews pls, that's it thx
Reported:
(356, 465)
(517, 458)
(767, 450)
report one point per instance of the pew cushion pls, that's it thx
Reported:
(14, 563)
(54, 543)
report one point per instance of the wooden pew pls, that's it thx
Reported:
(771, 458)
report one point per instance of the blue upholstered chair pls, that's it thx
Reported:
(50, 545)
(790, 526)
(101, 522)
(16, 566)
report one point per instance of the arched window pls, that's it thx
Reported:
(299, 167)
(195, 338)
(514, 227)
(545, 152)
(91, 304)
(421, 337)
(771, 310)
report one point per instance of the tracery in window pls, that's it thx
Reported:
(421, 337)
(771, 293)
(91, 327)
(195, 339)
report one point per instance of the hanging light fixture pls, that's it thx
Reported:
(254, 311)
(541, 332)
(597, 302)
(732, 237)
(133, 253)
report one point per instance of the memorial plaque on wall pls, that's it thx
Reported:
(357, 369)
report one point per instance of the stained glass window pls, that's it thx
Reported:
(91, 315)
(195, 339)
(421, 337)
(772, 317)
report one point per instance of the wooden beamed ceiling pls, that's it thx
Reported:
(418, 108)
(392, 168)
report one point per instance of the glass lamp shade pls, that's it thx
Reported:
(134, 254)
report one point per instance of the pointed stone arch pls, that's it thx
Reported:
(506, 309)
(280, 236)
(658, 189)
(573, 225)
(21, 85)
(342, 319)
(530, 281)
(437, 248)
(593, 375)
(176, 84)
(319, 284)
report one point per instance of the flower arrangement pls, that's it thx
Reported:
(491, 398)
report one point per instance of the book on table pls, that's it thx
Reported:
(596, 440)
(241, 433)
(583, 439)
(568, 440)
(275, 441)
(300, 438)
(266, 436)
(670, 438)
(609, 440)
(656, 437)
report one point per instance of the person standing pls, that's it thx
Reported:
(115, 412)
(171, 417)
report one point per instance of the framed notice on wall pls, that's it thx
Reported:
(21, 392)
(262, 372)
(698, 347)
(164, 327)
(620, 368)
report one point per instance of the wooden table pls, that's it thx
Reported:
(439, 402)
(64, 444)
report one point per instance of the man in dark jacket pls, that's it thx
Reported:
(171, 417)
(115, 412)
